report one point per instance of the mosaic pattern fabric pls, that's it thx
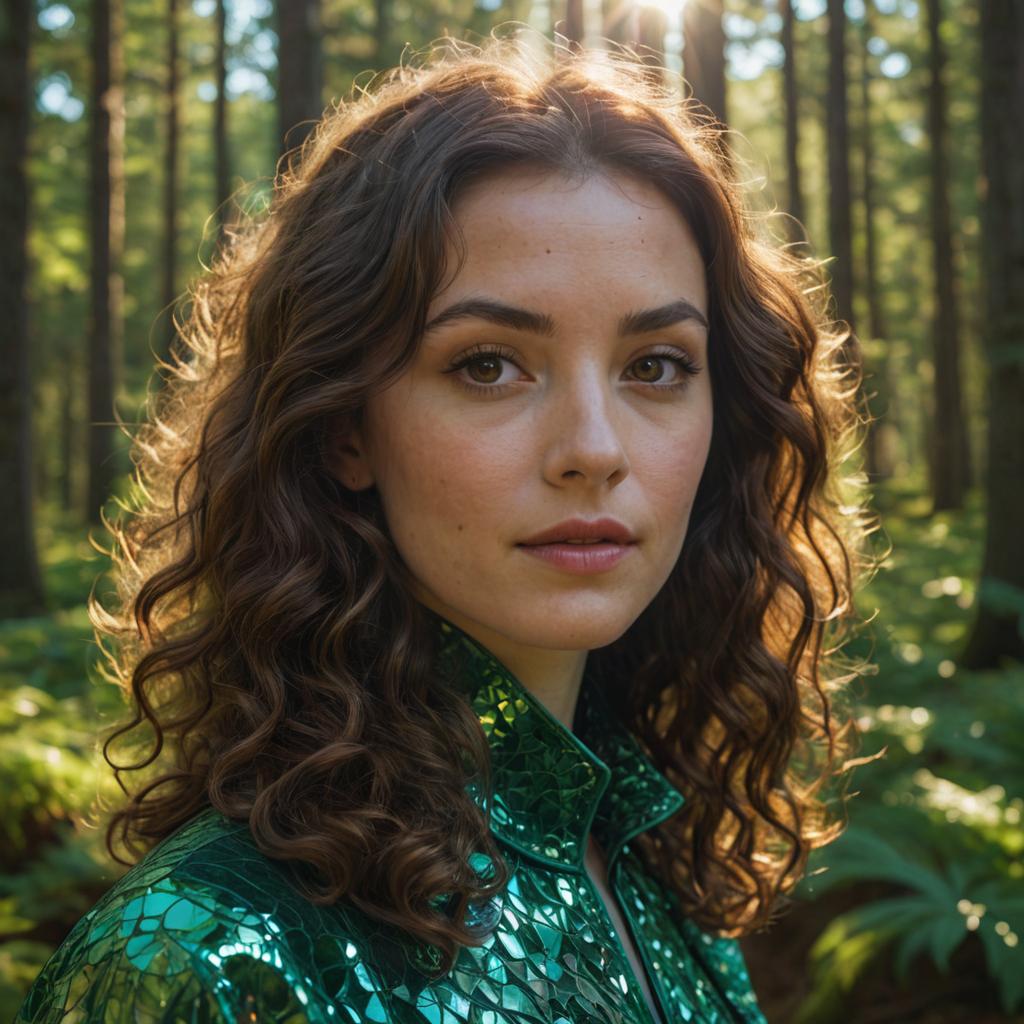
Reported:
(207, 929)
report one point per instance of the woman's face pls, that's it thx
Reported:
(566, 412)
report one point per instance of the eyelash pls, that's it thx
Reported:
(689, 367)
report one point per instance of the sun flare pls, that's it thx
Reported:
(672, 9)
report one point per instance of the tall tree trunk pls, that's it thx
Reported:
(876, 314)
(950, 455)
(998, 630)
(791, 104)
(704, 54)
(299, 73)
(222, 155)
(172, 99)
(840, 198)
(618, 21)
(21, 586)
(572, 26)
(381, 32)
(653, 23)
(877, 465)
(69, 458)
(107, 241)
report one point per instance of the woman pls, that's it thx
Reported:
(476, 588)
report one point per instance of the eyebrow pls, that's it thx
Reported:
(639, 322)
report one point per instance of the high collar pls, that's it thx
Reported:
(551, 786)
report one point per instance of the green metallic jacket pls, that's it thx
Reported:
(206, 928)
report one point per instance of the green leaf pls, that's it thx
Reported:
(945, 934)
(863, 855)
(909, 945)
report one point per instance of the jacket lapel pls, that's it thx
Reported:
(552, 786)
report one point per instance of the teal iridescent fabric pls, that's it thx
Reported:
(207, 929)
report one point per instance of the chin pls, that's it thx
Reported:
(574, 630)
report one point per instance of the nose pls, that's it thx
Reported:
(583, 440)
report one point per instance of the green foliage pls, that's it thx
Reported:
(53, 866)
(938, 819)
(951, 883)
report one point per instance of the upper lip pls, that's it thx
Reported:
(582, 529)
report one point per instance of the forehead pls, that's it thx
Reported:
(614, 238)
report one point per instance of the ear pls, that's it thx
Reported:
(345, 454)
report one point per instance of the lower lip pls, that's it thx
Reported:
(580, 558)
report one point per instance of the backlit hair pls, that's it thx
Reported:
(264, 631)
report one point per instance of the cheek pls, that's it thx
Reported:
(672, 467)
(439, 481)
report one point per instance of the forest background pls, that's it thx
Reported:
(133, 128)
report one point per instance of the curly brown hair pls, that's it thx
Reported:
(265, 628)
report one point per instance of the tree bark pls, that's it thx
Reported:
(618, 21)
(840, 199)
(21, 586)
(172, 99)
(382, 32)
(704, 54)
(106, 244)
(653, 24)
(876, 315)
(950, 459)
(68, 432)
(221, 150)
(877, 465)
(572, 26)
(795, 201)
(998, 630)
(299, 83)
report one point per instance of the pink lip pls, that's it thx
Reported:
(582, 559)
(605, 529)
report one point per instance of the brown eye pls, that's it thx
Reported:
(685, 367)
(492, 368)
(652, 362)
(480, 369)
